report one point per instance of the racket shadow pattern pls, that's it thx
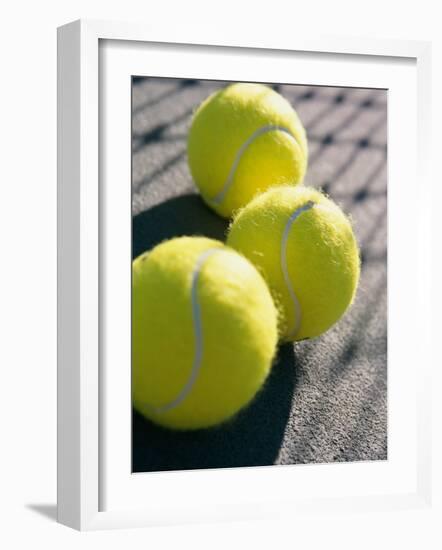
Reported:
(326, 399)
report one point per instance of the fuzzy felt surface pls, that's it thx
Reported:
(321, 256)
(219, 333)
(325, 400)
(221, 126)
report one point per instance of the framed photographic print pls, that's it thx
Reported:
(238, 276)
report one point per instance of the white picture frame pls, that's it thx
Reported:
(84, 465)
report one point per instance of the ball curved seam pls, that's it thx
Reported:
(198, 337)
(220, 196)
(295, 301)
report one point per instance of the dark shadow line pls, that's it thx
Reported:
(320, 116)
(312, 139)
(343, 359)
(344, 167)
(371, 259)
(375, 227)
(169, 139)
(370, 145)
(169, 164)
(373, 129)
(364, 193)
(333, 105)
(155, 133)
(185, 214)
(375, 173)
(136, 80)
(359, 196)
(343, 124)
(364, 314)
(154, 101)
(344, 96)
(181, 85)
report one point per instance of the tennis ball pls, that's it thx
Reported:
(242, 140)
(304, 246)
(204, 333)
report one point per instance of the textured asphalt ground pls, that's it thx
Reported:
(326, 399)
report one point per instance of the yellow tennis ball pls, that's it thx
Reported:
(242, 140)
(204, 333)
(304, 246)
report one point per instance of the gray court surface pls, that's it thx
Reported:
(326, 399)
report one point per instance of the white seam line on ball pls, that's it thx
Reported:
(196, 316)
(228, 183)
(296, 305)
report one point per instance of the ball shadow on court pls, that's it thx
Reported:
(183, 215)
(252, 438)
